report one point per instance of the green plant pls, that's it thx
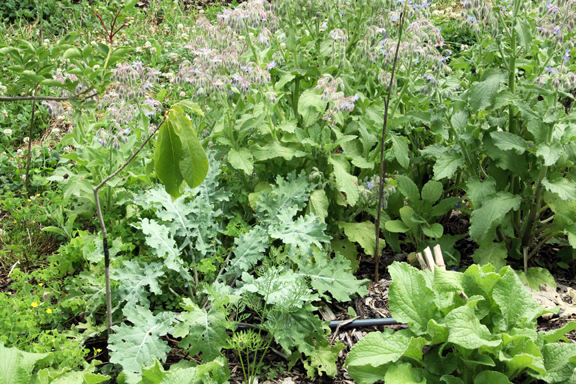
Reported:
(511, 133)
(476, 327)
(22, 367)
(418, 218)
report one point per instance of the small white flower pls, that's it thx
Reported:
(55, 131)
(185, 36)
(138, 49)
(8, 132)
(46, 41)
(26, 139)
(23, 177)
(148, 45)
(19, 150)
(283, 46)
(153, 50)
(180, 27)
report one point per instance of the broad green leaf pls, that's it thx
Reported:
(447, 164)
(167, 158)
(407, 293)
(136, 346)
(482, 94)
(283, 81)
(158, 237)
(465, 329)
(535, 277)
(334, 276)
(492, 212)
(79, 378)
(556, 335)
(194, 107)
(494, 253)
(273, 150)
(408, 188)
(516, 304)
(523, 32)
(250, 249)
(432, 191)
(520, 354)
(298, 329)
(562, 186)
(347, 249)
(193, 161)
(396, 226)
(375, 351)
(310, 106)
(323, 359)
(459, 121)
(401, 152)
(550, 153)
(302, 232)
(477, 190)
(134, 278)
(447, 281)
(491, 377)
(557, 361)
(435, 231)
(16, 366)
(202, 332)
(213, 372)
(406, 214)
(241, 160)
(318, 204)
(345, 182)
(72, 53)
(404, 374)
(364, 234)
(508, 141)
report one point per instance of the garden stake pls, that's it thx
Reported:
(382, 159)
(103, 227)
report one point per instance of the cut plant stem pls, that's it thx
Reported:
(382, 141)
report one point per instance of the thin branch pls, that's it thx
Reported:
(382, 159)
(29, 158)
(130, 159)
(46, 98)
(105, 233)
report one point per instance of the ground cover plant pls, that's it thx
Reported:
(196, 186)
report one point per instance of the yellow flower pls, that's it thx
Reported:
(37, 195)
(48, 310)
(41, 284)
(98, 350)
(14, 221)
(29, 200)
(34, 304)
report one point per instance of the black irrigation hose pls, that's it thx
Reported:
(361, 323)
(365, 323)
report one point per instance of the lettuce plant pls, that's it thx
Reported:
(475, 327)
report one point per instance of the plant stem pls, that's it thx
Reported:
(29, 158)
(382, 141)
(104, 232)
(47, 98)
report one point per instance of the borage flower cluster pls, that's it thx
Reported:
(418, 48)
(337, 102)
(219, 50)
(557, 20)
